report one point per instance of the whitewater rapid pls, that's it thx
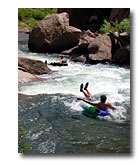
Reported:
(114, 81)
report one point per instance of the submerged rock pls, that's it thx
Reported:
(53, 34)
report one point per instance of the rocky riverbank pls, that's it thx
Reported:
(54, 34)
(28, 69)
(63, 33)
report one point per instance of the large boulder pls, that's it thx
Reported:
(32, 66)
(122, 55)
(100, 49)
(53, 34)
(69, 51)
(86, 38)
(92, 49)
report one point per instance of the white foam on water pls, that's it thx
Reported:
(36, 135)
(75, 106)
(111, 80)
(47, 147)
(117, 115)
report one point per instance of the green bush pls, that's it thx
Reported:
(106, 27)
(50, 10)
(24, 13)
(123, 26)
(31, 16)
(116, 27)
(21, 14)
(37, 14)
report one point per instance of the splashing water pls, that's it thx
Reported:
(111, 80)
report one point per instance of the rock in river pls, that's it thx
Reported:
(93, 50)
(53, 35)
(100, 49)
(32, 66)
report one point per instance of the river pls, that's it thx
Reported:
(52, 116)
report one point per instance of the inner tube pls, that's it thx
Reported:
(58, 64)
(102, 112)
(95, 111)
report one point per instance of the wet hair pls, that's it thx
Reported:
(103, 98)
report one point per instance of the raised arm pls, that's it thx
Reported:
(87, 101)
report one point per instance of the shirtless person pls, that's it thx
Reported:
(102, 104)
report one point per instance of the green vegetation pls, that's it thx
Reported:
(123, 26)
(29, 17)
(106, 27)
(22, 145)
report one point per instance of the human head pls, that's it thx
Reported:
(61, 57)
(103, 98)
